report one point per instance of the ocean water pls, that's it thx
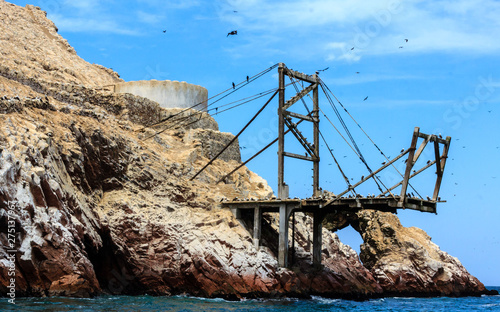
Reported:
(180, 303)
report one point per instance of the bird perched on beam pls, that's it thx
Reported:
(232, 33)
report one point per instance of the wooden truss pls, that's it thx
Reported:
(285, 119)
(413, 156)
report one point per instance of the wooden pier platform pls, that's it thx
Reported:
(319, 207)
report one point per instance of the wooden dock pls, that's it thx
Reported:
(321, 203)
(319, 207)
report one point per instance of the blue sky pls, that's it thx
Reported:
(445, 80)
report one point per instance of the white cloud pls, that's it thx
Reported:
(377, 27)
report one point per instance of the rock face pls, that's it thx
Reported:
(405, 262)
(103, 204)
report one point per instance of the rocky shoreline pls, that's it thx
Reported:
(97, 209)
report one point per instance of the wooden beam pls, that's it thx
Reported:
(298, 156)
(315, 114)
(299, 95)
(283, 237)
(433, 138)
(257, 226)
(443, 159)
(318, 217)
(299, 116)
(438, 158)
(301, 76)
(281, 130)
(409, 164)
(421, 148)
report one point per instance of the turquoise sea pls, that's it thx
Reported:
(180, 303)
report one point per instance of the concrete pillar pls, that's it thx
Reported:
(283, 237)
(317, 237)
(257, 226)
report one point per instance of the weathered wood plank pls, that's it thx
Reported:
(301, 76)
(439, 178)
(298, 156)
(433, 138)
(300, 116)
(409, 163)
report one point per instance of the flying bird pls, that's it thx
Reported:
(366, 98)
(164, 31)
(320, 70)
(237, 12)
(357, 72)
(401, 47)
(232, 33)
(406, 40)
(352, 48)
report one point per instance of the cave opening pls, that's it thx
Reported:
(110, 267)
(349, 236)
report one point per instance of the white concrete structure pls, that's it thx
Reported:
(169, 94)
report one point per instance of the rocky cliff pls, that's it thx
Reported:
(102, 205)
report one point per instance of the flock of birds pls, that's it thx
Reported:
(235, 32)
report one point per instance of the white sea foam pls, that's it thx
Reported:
(325, 300)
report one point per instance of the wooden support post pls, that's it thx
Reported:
(257, 226)
(281, 131)
(442, 164)
(317, 237)
(283, 237)
(315, 115)
(293, 238)
(236, 212)
(409, 164)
